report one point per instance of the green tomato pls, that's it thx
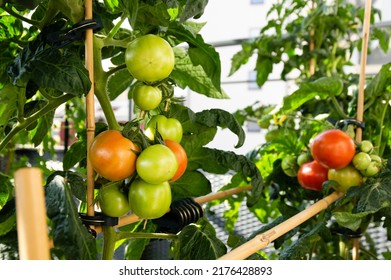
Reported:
(366, 146)
(345, 178)
(156, 164)
(376, 158)
(303, 158)
(149, 58)
(147, 97)
(113, 201)
(149, 201)
(289, 165)
(361, 161)
(372, 169)
(168, 128)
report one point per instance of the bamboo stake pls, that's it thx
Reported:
(132, 218)
(33, 238)
(361, 89)
(90, 109)
(364, 52)
(262, 240)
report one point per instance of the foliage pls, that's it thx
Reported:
(313, 55)
(43, 70)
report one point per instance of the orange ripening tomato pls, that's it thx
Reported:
(113, 156)
(333, 148)
(181, 156)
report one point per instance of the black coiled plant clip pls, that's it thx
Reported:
(182, 213)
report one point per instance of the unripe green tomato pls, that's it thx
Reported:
(366, 146)
(149, 201)
(149, 58)
(345, 178)
(371, 170)
(112, 201)
(147, 97)
(289, 165)
(303, 158)
(361, 160)
(376, 158)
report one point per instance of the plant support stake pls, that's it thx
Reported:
(264, 239)
(360, 99)
(33, 238)
(90, 108)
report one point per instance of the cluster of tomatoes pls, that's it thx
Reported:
(139, 176)
(334, 156)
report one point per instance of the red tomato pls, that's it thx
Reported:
(311, 175)
(181, 157)
(333, 149)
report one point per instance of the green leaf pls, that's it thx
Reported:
(301, 248)
(321, 88)
(224, 119)
(350, 220)
(50, 68)
(193, 9)
(64, 72)
(8, 97)
(191, 184)
(378, 85)
(198, 242)
(6, 189)
(263, 67)
(199, 52)
(9, 246)
(76, 153)
(220, 162)
(186, 74)
(118, 83)
(69, 234)
(241, 57)
(44, 125)
(7, 218)
(375, 193)
(76, 182)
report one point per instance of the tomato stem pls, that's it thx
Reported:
(52, 105)
(338, 108)
(109, 239)
(379, 139)
(100, 81)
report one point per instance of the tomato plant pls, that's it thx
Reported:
(149, 201)
(333, 148)
(149, 58)
(312, 175)
(346, 178)
(181, 157)
(113, 201)
(113, 156)
(147, 97)
(169, 128)
(156, 164)
(43, 69)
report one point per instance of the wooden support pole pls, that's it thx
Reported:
(364, 52)
(361, 90)
(90, 108)
(262, 240)
(33, 238)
